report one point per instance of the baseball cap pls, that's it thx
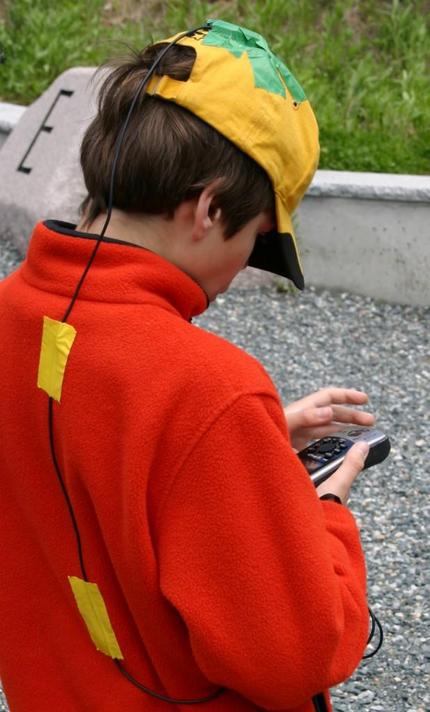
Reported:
(244, 91)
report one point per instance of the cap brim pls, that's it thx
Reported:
(276, 251)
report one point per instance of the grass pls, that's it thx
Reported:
(364, 64)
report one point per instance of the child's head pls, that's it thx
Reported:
(220, 111)
(169, 155)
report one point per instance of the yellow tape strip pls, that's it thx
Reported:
(57, 340)
(93, 610)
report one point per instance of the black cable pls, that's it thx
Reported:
(318, 700)
(122, 670)
(372, 629)
(319, 703)
(164, 698)
(118, 146)
(64, 490)
(375, 624)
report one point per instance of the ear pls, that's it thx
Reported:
(205, 215)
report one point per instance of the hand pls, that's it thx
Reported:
(323, 412)
(340, 482)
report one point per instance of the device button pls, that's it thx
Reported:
(326, 447)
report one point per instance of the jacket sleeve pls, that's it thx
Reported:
(269, 581)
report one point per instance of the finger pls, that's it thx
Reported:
(331, 395)
(313, 400)
(328, 396)
(301, 404)
(308, 418)
(348, 415)
(321, 432)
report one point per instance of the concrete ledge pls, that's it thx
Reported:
(370, 186)
(360, 232)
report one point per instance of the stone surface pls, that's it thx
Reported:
(40, 175)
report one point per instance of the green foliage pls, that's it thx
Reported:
(364, 65)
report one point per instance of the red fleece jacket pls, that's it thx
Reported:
(218, 564)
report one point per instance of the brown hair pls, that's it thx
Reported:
(168, 154)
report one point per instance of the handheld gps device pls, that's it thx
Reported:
(322, 457)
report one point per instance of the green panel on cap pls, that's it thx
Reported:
(267, 67)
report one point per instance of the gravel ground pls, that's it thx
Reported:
(317, 338)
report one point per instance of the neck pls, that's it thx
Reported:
(145, 231)
(166, 238)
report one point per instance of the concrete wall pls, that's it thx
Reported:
(367, 233)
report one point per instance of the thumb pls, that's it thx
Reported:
(356, 457)
(341, 481)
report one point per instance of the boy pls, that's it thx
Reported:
(160, 511)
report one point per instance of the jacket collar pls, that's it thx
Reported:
(121, 272)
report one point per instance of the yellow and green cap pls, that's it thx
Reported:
(245, 92)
